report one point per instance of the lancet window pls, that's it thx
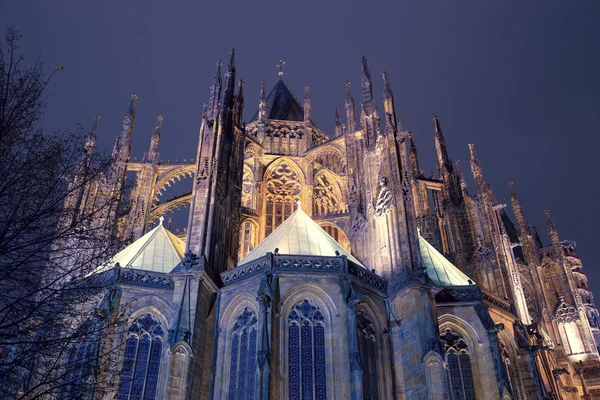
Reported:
(307, 378)
(283, 191)
(458, 364)
(141, 363)
(325, 199)
(242, 371)
(367, 344)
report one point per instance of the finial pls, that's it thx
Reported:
(298, 205)
(232, 58)
(159, 120)
(387, 89)
(161, 219)
(436, 125)
(306, 93)
(472, 151)
(219, 65)
(280, 66)
(366, 81)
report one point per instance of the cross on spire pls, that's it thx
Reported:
(280, 66)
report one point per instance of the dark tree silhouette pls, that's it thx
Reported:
(56, 318)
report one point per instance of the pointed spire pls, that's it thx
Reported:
(518, 212)
(537, 238)
(307, 105)
(387, 89)
(239, 104)
(414, 155)
(367, 85)
(350, 110)
(228, 95)
(262, 105)
(128, 121)
(153, 152)
(338, 124)
(214, 103)
(476, 168)
(90, 143)
(388, 104)
(440, 144)
(552, 232)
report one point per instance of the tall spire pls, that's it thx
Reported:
(90, 143)
(262, 105)
(239, 104)
(153, 151)
(367, 85)
(350, 111)
(215, 94)
(552, 232)
(307, 103)
(476, 168)
(228, 95)
(440, 145)
(388, 104)
(523, 229)
(414, 156)
(128, 121)
(338, 124)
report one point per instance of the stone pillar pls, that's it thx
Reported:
(356, 372)
(264, 353)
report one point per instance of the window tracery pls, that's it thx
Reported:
(307, 378)
(367, 344)
(248, 189)
(458, 364)
(283, 190)
(325, 199)
(141, 363)
(242, 371)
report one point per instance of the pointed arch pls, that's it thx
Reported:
(284, 182)
(328, 194)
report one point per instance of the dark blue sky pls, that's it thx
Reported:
(518, 79)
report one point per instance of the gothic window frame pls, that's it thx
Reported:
(326, 189)
(284, 182)
(248, 188)
(240, 330)
(307, 321)
(145, 327)
(370, 353)
(458, 358)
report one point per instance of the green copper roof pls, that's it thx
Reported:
(441, 271)
(299, 235)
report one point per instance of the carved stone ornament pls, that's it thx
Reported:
(385, 197)
(565, 313)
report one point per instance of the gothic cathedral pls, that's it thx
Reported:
(328, 266)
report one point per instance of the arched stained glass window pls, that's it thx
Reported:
(283, 191)
(242, 372)
(458, 363)
(141, 361)
(307, 377)
(367, 344)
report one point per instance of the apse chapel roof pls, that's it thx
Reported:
(158, 251)
(282, 105)
(441, 271)
(299, 235)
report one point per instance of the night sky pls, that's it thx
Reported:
(518, 79)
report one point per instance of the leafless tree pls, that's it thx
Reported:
(56, 227)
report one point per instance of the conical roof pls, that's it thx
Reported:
(441, 271)
(158, 251)
(282, 105)
(299, 235)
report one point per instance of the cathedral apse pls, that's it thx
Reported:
(326, 265)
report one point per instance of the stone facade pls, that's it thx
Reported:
(427, 292)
